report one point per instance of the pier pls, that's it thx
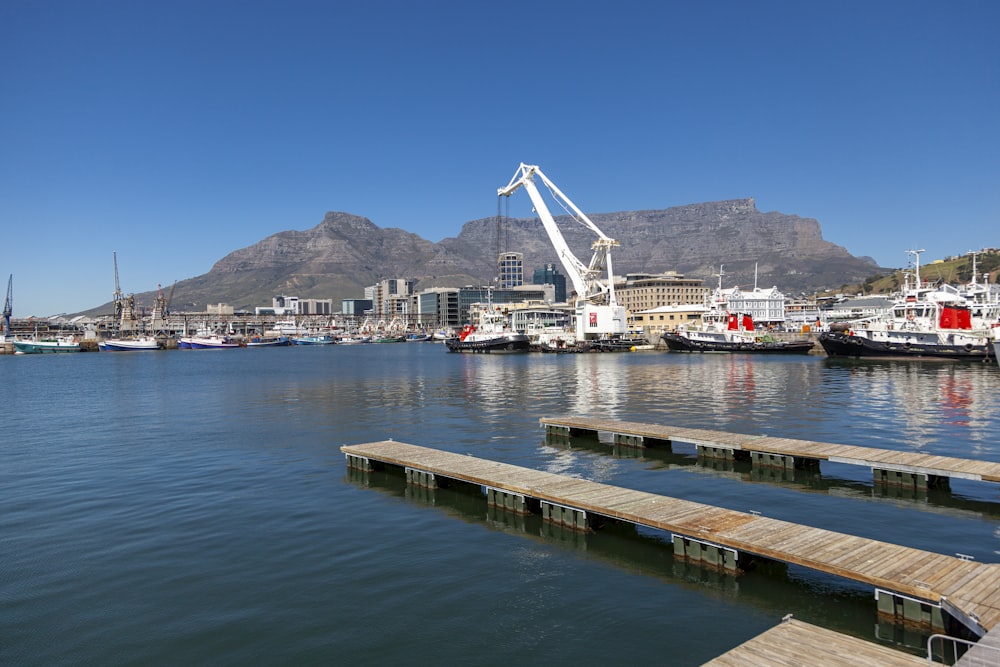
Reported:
(889, 467)
(911, 585)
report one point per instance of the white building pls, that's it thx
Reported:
(765, 306)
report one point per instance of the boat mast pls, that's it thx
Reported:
(916, 263)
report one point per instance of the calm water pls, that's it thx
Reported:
(193, 507)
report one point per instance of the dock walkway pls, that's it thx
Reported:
(909, 582)
(889, 466)
(793, 643)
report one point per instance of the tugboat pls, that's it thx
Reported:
(925, 322)
(491, 335)
(730, 332)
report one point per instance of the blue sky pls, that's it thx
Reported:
(176, 132)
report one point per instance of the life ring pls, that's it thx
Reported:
(758, 339)
(968, 347)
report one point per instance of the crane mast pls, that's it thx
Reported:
(598, 314)
(8, 309)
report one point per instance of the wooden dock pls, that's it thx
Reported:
(793, 643)
(889, 466)
(911, 584)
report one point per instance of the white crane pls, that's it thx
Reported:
(598, 314)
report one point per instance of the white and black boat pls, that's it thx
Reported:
(492, 334)
(924, 324)
(721, 331)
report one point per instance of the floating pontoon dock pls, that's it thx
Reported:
(910, 584)
(891, 467)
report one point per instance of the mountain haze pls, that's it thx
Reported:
(345, 253)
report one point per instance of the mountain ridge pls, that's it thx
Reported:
(345, 253)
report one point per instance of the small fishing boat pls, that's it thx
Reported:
(212, 342)
(321, 339)
(353, 340)
(129, 344)
(389, 338)
(279, 341)
(46, 345)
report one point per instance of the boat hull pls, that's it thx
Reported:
(129, 345)
(281, 341)
(843, 344)
(679, 343)
(44, 347)
(205, 344)
(315, 340)
(505, 344)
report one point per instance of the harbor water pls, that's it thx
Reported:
(194, 507)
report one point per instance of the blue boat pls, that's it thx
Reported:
(280, 341)
(315, 340)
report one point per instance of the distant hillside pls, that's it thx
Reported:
(951, 271)
(344, 253)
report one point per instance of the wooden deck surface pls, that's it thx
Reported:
(887, 459)
(793, 643)
(969, 586)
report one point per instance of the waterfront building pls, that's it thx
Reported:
(315, 307)
(510, 270)
(667, 318)
(645, 291)
(219, 309)
(550, 275)
(356, 307)
(765, 306)
(450, 306)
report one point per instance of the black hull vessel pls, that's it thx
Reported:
(680, 343)
(846, 344)
(503, 344)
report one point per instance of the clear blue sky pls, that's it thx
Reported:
(177, 132)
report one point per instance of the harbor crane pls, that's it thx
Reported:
(597, 312)
(8, 306)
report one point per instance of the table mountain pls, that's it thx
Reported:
(345, 253)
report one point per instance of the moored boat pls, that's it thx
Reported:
(721, 331)
(213, 342)
(45, 346)
(322, 339)
(491, 335)
(269, 341)
(129, 344)
(923, 323)
(876, 343)
(389, 338)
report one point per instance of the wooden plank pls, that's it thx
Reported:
(794, 643)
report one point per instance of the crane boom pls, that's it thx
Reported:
(597, 311)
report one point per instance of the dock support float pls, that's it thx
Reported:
(910, 480)
(420, 478)
(361, 463)
(511, 502)
(720, 453)
(708, 553)
(565, 516)
(908, 610)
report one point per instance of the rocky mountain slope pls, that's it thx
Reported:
(344, 253)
